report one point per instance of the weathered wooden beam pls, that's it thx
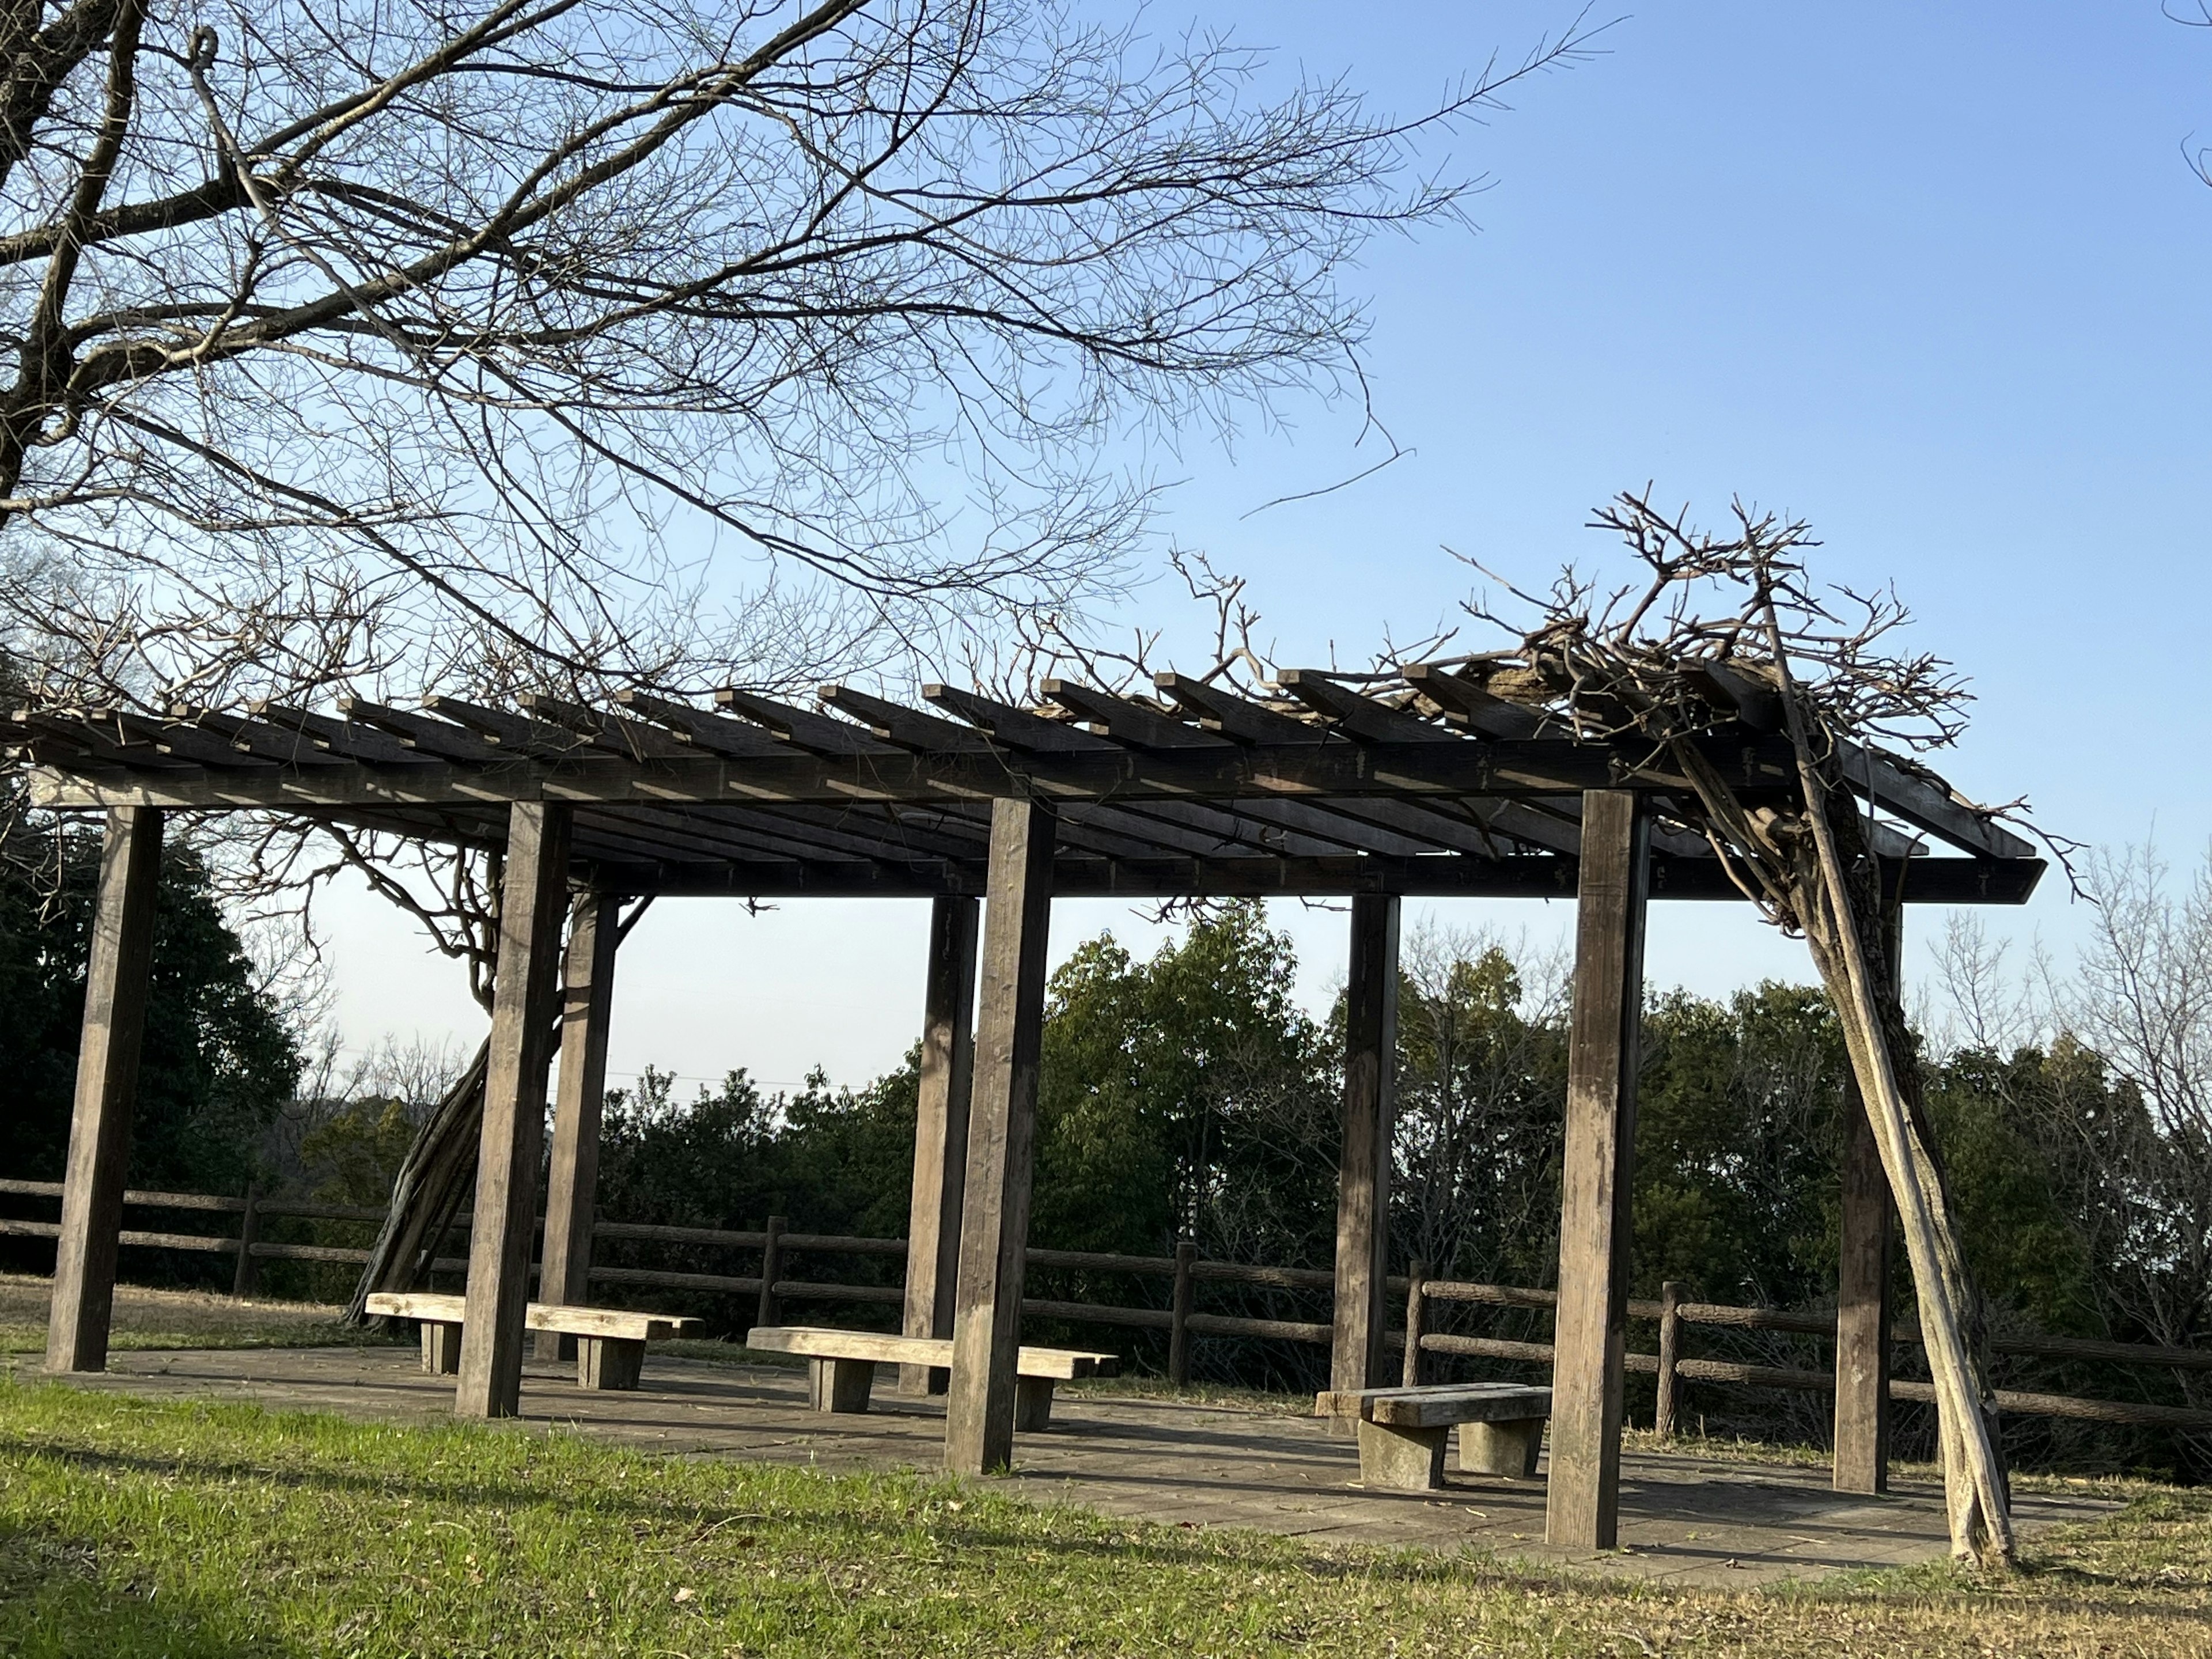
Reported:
(1363, 1188)
(1468, 706)
(348, 739)
(259, 737)
(1321, 767)
(106, 1091)
(1127, 720)
(1240, 718)
(533, 897)
(1017, 728)
(1582, 1501)
(822, 734)
(1358, 716)
(1927, 805)
(633, 738)
(436, 739)
(1863, 1282)
(979, 1418)
(1080, 874)
(940, 1134)
(718, 734)
(571, 1177)
(909, 728)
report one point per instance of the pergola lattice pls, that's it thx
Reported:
(1420, 784)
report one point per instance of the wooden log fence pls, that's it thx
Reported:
(1180, 1319)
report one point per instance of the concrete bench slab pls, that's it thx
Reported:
(1403, 1432)
(609, 1341)
(841, 1366)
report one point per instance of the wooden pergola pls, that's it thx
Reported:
(1421, 784)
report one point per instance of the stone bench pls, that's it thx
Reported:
(1402, 1432)
(609, 1341)
(841, 1366)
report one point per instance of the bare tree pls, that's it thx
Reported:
(1715, 628)
(2142, 1003)
(380, 343)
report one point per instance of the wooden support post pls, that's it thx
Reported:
(533, 899)
(1184, 1298)
(1582, 1510)
(248, 1277)
(940, 1132)
(995, 1220)
(1416, 1303)
(1862, 1281)
(107, 1091)
(767, 1311)
(572, 1180)
(1363, 1191)
(1671, 1297)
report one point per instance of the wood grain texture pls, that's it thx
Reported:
(1363, 1194)
(107, 1090)
(1590, 1332)
(1862, 1285)
(978, 1426)
(572, 1180)
(826, 1342)
(533, 901)
(940, 1135)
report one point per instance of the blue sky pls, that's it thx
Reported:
(1930, 275)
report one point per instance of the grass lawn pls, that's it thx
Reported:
(129, 1526)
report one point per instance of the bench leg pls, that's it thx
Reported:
(840, 1385)
(441, 1348)
(1402, 1460)
(608, 1362)
(1032, 1404)
(1508, 1449)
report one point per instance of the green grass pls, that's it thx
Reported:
(137, 1527)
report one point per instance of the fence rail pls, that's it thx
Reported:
(1180, 1319)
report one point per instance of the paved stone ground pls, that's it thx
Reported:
(1682, 1520)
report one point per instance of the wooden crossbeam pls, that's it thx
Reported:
(259, 737)
(1082, 872)
(439, 739)
(1466, 705)
(821, 734)
(716, 733)
(628, 737)
(1019, 729)
(1127, 720)
(1236, 717)
(909, 728)
(1357, 715)
(349, 739)
(1922, 803)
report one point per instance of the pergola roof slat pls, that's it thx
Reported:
(440, 739)
(820, 734)
(1210, 793)
(1016, 728)
(717, 735)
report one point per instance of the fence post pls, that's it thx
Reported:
(771, 1270)
(1670, 1350)
(1417, 1306)
(1186, 1293)
(248, 1276)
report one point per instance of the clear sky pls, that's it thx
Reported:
(1932, 276)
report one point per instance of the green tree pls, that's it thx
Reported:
(219, 1059)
